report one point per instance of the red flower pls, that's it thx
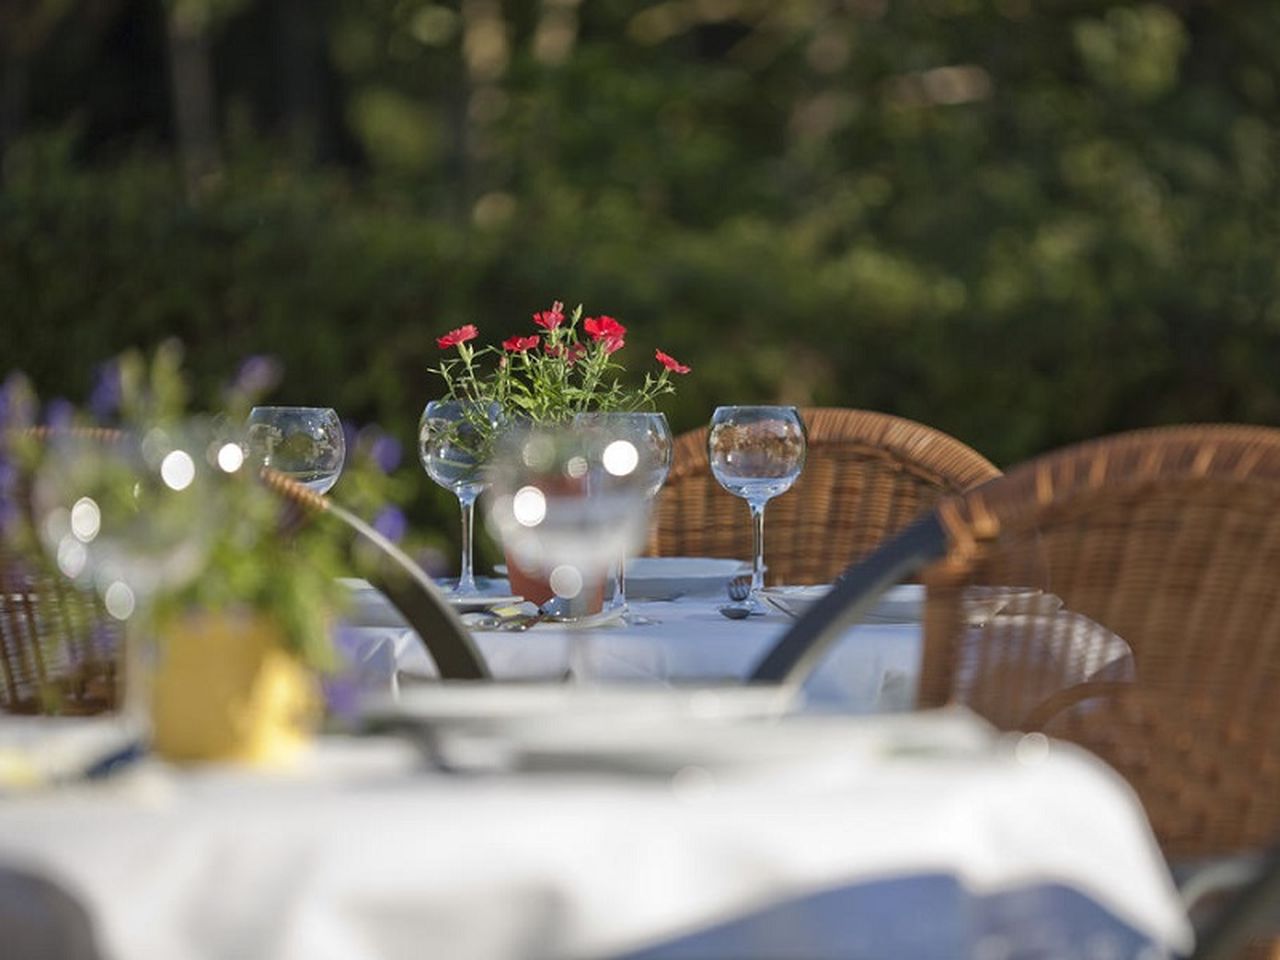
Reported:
(572, 355)
(520, 344)
(670, 362)
(550, 319)
(608, 330)
(455, 337)
(604, 328)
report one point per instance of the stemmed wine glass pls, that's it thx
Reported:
(756, 453)
(132, 518)
(650, 437)
(454, 438)
(305, 443)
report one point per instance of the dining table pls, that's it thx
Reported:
(918, 835)
(615, 792)
(676, 636)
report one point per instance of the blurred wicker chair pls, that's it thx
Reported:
(58, 647)
(1167, 538)
(59, 650)
(866, 476)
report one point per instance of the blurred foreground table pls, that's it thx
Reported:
(913, 836)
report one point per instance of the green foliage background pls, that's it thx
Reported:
(1024, 223)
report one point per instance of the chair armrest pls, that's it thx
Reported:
(855, 592)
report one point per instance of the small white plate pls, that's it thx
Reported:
(665, 578)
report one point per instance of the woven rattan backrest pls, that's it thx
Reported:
(1169, 540)
(866, 476)
(59, 649)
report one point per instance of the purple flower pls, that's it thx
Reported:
(386, 451)
(341, 695)
(391, 523)
(350, 434)
(104, 401)
(383, 449)
(59, 413)
(433, 561)
(10, 515)
(258, 374)
(17, 402)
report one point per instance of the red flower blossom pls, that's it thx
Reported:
(520, 344)
(608, 330)
(670, 362)
(550, 319)
(604, 328)
(455, 337)
(575, 352)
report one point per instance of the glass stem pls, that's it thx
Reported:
(466, 573)
(757, 560)
(620, 584)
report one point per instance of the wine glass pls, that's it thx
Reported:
(454, 440)
(756, 453)
(567, 501)
(650, 436)
(305, 443)
(132, 519)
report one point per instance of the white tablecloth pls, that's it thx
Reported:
(873, 669)
(364, 853)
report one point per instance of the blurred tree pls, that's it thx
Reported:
(1023, 223)
(25, 25)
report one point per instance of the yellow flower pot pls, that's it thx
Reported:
(224, 688)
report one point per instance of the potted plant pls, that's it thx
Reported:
(562, 366)
(168, 523)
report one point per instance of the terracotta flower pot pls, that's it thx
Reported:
(224, 688)
(536, 587)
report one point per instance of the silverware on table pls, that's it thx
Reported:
(739, 590)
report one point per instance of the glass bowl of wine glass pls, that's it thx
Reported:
(305, 443)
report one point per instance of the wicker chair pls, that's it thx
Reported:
(866, 476)
(59, 650)
(1169, 539)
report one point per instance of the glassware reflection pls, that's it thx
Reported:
(756, 453)
(567, 501)
(650, 436)
(454, 443)
(306, 443)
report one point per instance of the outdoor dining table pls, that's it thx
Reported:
(686, 640)
(874, 666)
(908, 836)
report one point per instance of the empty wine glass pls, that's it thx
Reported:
(128, 517)
(650, 436)
(567, 501)
(454, 441)
(305, 443)
(756, 453)
(132, 518)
